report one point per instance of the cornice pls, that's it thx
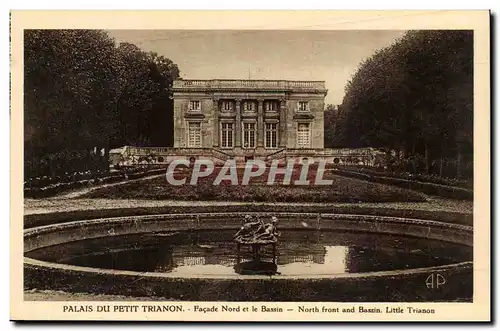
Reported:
(193, 115)
(304, 116)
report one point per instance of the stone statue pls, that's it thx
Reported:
(257, 232)
(269, 232)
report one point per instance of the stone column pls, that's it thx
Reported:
(282, 136)
(216, 127)
(237, 125)
(260, 124)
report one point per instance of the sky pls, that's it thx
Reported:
(332, 56)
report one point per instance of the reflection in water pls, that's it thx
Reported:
(299, 253)
(333, 261)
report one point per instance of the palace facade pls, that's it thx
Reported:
(249, 117)
(224, 120)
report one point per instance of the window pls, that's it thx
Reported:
(249, 135)
(194, 134)
(227, 105)
(303, 135)
(271, 106)
(226, 135)
(271, 135)
(194, 105)
(249, 106)
(303, 106)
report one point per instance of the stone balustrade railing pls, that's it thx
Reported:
(165, 151)
(249, 84)
(363, 153)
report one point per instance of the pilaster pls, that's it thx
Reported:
(216, 126)
(282, 136)
(237, 129)
(260, 123)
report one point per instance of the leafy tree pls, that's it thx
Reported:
(161, 119)
(85, 93)
(67, 89)
(414, 98)
(332, 116)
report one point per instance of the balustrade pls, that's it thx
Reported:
(253, 84)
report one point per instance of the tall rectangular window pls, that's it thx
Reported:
(226, 135)
(227, 105)
(249, 106)
(303, 135)
(194, 134)
(194, 105)
(271, 106)
(303, 106)
(271, 135)
(249, 135)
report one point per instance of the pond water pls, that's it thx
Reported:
(299, 252)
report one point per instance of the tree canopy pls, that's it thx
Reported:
(414, 98)
(83, 91)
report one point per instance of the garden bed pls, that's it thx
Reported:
(56, 188)
(445, 191)
(431, 179)
(341, 190)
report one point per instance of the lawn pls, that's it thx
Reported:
(342, 189)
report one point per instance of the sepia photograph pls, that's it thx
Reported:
(253, 166)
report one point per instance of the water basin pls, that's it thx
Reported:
(299, 252)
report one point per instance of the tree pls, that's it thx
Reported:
(161, 119)
(415, 98)
(332, 116)
(83, 93)
(68, 85)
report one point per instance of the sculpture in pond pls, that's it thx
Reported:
(256, 233)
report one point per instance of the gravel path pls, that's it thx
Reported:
(70, 201)
(80, 192)
(39, 206)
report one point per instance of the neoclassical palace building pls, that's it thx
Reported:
(249, 117)
(224, 120)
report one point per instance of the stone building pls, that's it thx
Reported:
(269, 120)
(249, 117)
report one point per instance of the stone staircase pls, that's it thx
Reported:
(276, 155)
(221, 155)
(241, 159)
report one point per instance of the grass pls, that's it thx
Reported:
(433, 189)
(343, 189)
(425, 178)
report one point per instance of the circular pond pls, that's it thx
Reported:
(319, 257)
(299, 253)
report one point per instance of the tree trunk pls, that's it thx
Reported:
(427, 159)
(441, 165)
(52, 169)
(459, 161)
(88, 160)
(106, 157)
